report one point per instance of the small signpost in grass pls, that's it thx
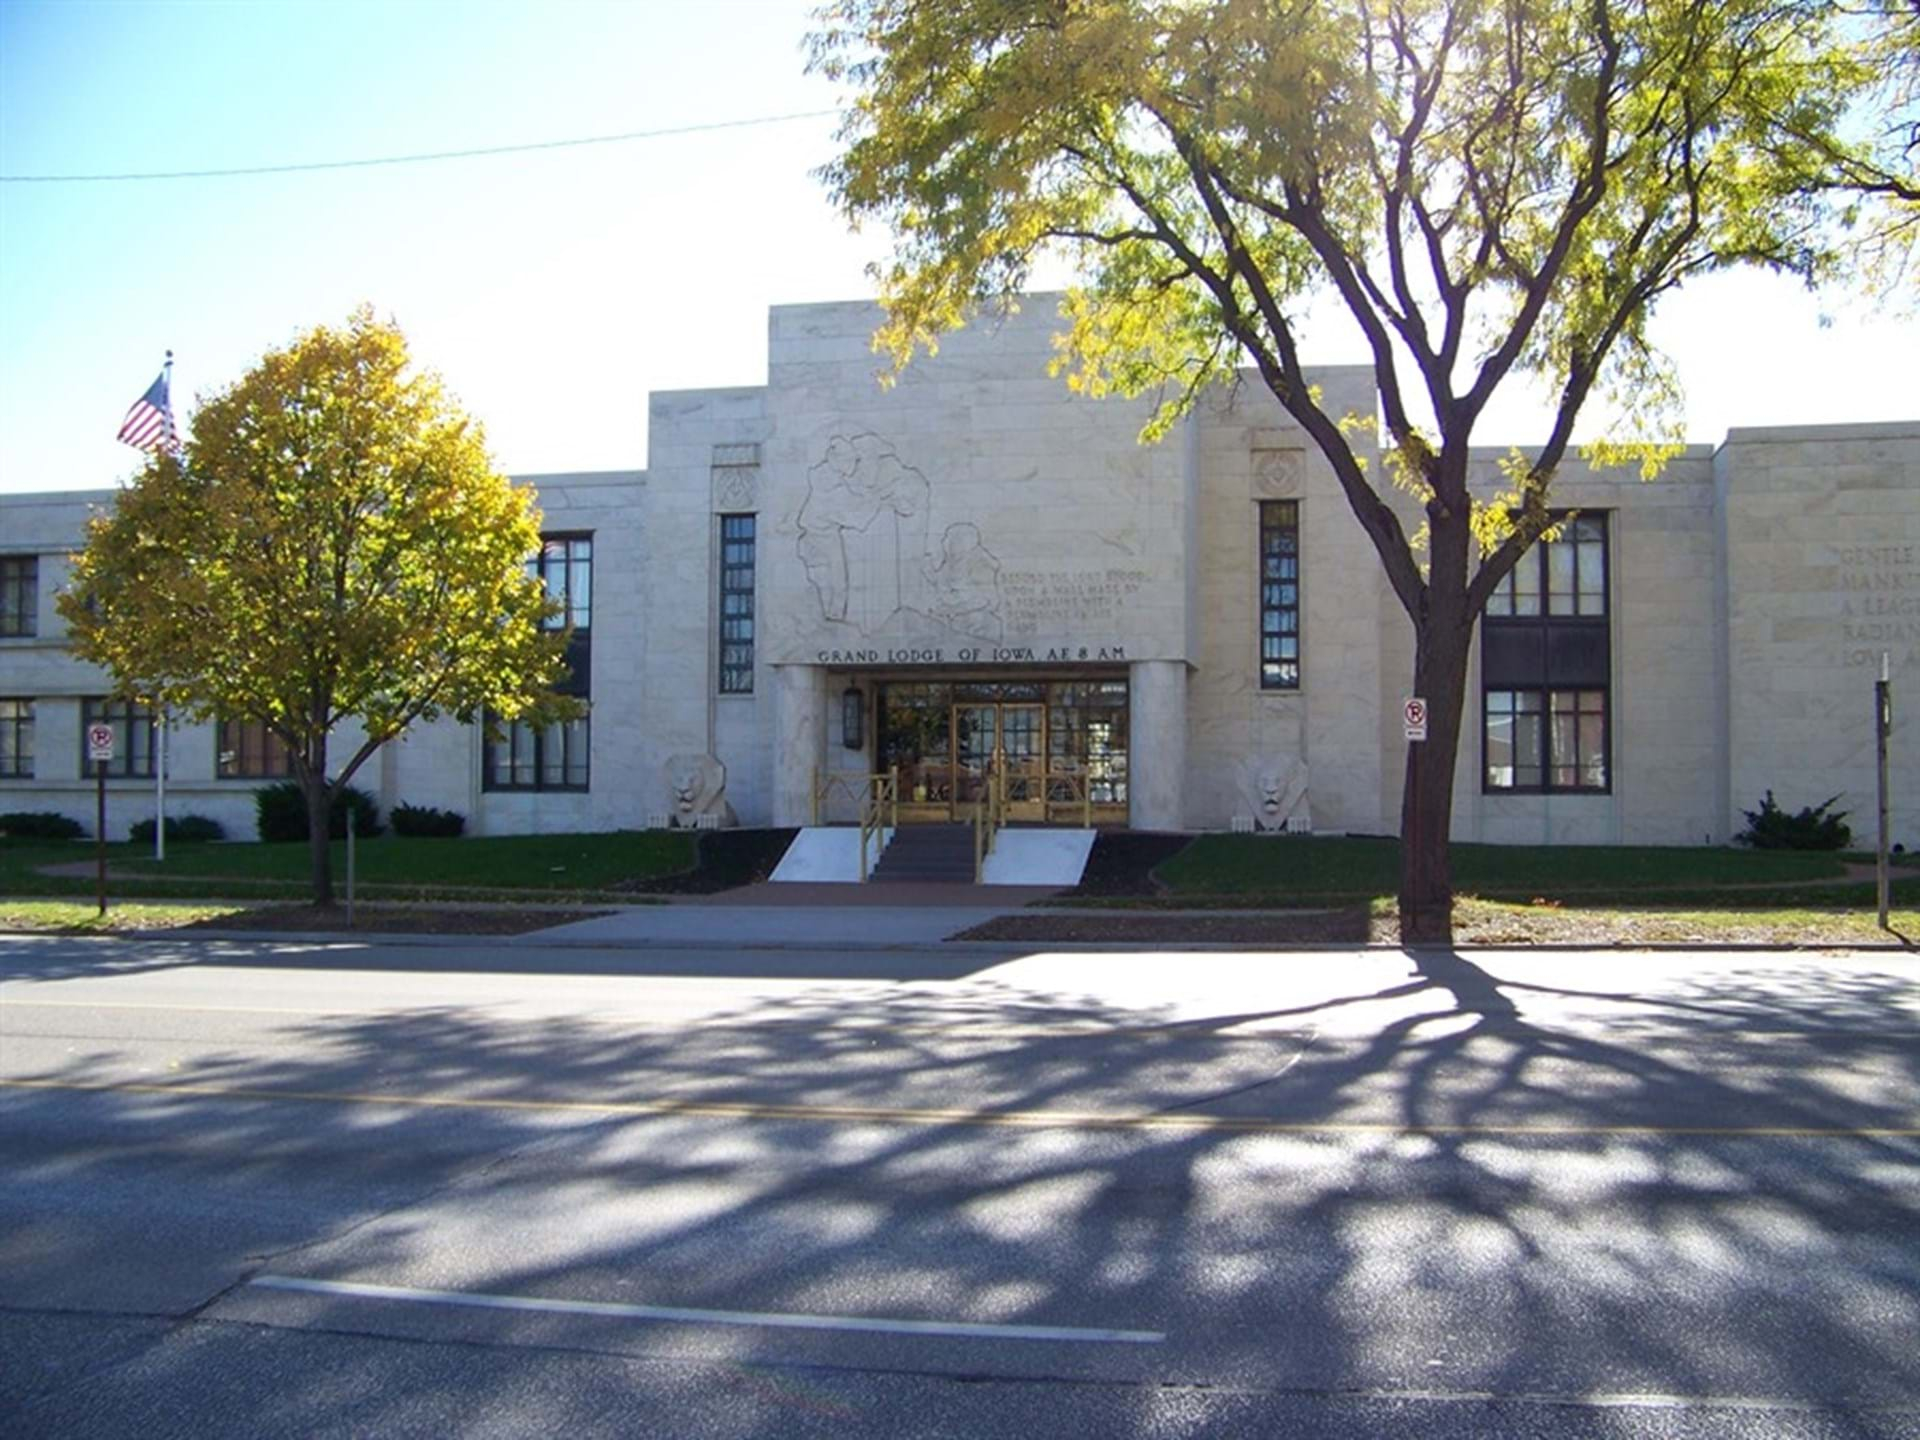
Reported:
(1882, 731)
(100, 752)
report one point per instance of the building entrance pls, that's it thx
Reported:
(1060, 747)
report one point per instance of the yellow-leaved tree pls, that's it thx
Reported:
(333, 544)
(1491, 189)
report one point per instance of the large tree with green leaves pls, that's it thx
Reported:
(333, 545)
(1490, 188)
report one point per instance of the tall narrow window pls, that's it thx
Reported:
(16, 739)
(1279, 595)
(555, 758)
(1546, 666)
(133, 747)
(736, 604)
(19, 594)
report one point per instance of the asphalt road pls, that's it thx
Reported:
(290, 1189)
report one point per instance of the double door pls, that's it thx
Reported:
(1004, 737)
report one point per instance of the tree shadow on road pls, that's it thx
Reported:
(1711, 1194)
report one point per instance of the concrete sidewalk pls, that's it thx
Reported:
(802, 915)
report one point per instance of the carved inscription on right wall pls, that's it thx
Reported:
(1879, 588)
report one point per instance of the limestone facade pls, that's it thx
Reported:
(977, 525)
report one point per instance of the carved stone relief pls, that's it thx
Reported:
(1277, 474)
(1273, 789)
(696, 792)
(736, 488)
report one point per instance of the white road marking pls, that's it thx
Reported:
(866, 1324)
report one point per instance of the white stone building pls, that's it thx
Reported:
(977, 567)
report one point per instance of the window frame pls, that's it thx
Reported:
(1584, 528)
(735, 676)
(268, 741)
(21, 722)
(19, 596)
(122, 714)
(1268, 522)
(513, 733)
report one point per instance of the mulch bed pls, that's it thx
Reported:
(727, 860)
(1545, 925)
(1122, 862)
(1146, 927)
(396, 919)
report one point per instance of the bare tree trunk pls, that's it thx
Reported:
(319, 823)
(1426, 804)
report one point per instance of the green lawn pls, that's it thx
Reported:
(542, 863)
(1277, 869)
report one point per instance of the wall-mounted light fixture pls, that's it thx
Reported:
(853, 719)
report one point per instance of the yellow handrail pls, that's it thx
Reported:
(879, 812)
(989, 813)
(1080, 783)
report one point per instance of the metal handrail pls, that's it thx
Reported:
(989, 814)
(1077, 781)
(861, 790)
(879, 813)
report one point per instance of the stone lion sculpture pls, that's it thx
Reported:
(696, 787)
(1273, 789)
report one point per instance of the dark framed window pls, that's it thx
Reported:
(19, 594)
(1279, 595)
(1546, 668)
(555, 758)
(133, 735)
(524, 758)
(736, 604)
(564, 565)
(16, 739)
(250, 751)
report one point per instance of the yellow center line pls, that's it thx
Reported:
(1018, 1119)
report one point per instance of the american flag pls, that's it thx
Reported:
(149, 424)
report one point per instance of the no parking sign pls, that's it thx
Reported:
(1414, 711)
(99, 742)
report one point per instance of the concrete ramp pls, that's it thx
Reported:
(1039, 857)
(827, 854)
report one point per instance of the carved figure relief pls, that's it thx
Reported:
(861, 488)
(1273, 789)
(696, 787)
(965, 584)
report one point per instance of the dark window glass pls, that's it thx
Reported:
(1279, 595)
(524, 758)
(565, 566)
(16, 739)
(1545, 662)
(250, 751)
(736, 604)
(133, 732)
(19, 594)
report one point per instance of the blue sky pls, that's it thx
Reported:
(552, 290)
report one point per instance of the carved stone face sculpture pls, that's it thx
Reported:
(1274, 789)
(696, 785)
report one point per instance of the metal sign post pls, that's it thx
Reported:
(100, 752)
(1882, 732)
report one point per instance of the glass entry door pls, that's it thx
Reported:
(1023, 760)
(976, 736)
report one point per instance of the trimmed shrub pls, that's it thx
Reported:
(1771, 828)
(40, 825)
(280, 812)
(426, 822)
(187, 829)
